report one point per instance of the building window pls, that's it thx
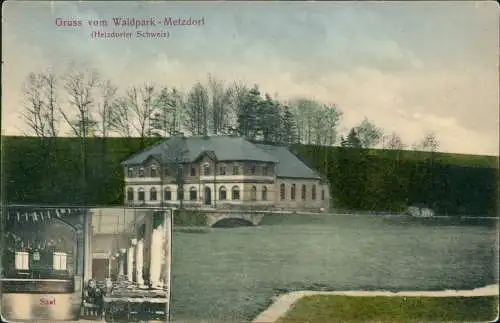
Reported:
(180, 171)
(236, 170)
(152, 194)
(142, 196)
(322, 194)
(193, 196)
(154, 173)
(282, 191)
(313, 192)
(292, 192)
(141, 172)
(253, 169)
(180, 194)
(168, 194)
(222, 170)
(22, 260)
(130, 172)
(59, 261)
(264, 193)
(222, 193)
(253, 193)
(165, 171)
(193, 171)
(264, 170)
(206, 170)
(130, 194)
(235, 193)
(303, 193)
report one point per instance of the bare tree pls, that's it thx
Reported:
(430, 143)
(169, 115)
(393, 141)
(197, 110)
(140, 103)
(80, 87)
(120, 118)
(369, 134)
(105, 110)
(40, 104)
(220, 98)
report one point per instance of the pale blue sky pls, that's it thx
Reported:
(411, 67)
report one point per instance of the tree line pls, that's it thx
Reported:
(92, 106)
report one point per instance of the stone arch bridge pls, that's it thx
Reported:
(223, 218)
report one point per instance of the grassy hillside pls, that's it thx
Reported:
(51, 171)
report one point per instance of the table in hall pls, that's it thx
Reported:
(135, 304)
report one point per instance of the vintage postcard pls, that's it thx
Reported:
(264, 161)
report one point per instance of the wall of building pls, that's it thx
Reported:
(298, 202)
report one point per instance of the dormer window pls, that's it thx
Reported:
(253, 169)
(236, 170)
(264, 170)
(206, 170)
(141, 172)
(154, 172)
(130, 172)
(222, 170)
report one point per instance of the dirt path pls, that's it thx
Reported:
(283, 304)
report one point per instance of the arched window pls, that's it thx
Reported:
(141, 172)
(193, 194)
(323, 194)
(253, 193)
(180, 194)
(206, 169)
(235, 193)
(292, 192)
(303, 192)
(130, 194)
(154, 172)
(282, 191)
(152, 194)
(264, 193)
(167, 194)
(313, 192)
(222, 193)
(142, 196)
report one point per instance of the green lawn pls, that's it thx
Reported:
(326, 308)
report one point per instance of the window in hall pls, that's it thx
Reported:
(59, 261)
(167, 194)
(180, 171)
(130, 194)
(152, 194)
(193, 171)
(265, 170)
(222, 193)
(323, 194)
(236, 170)
(235, 193)
(22, 260)
(313, 192)
(282, 191)
(303, 192)
(292, 192)
(206, 170)
(264, 193)
(222, 170)
(165, 171)
(253, 193)
(253, 169)
(141, 172)
(130, 172)
(142, 196)
(193, 194)
(154, 172)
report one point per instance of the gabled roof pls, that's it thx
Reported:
(289, 164)
(225, 148)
